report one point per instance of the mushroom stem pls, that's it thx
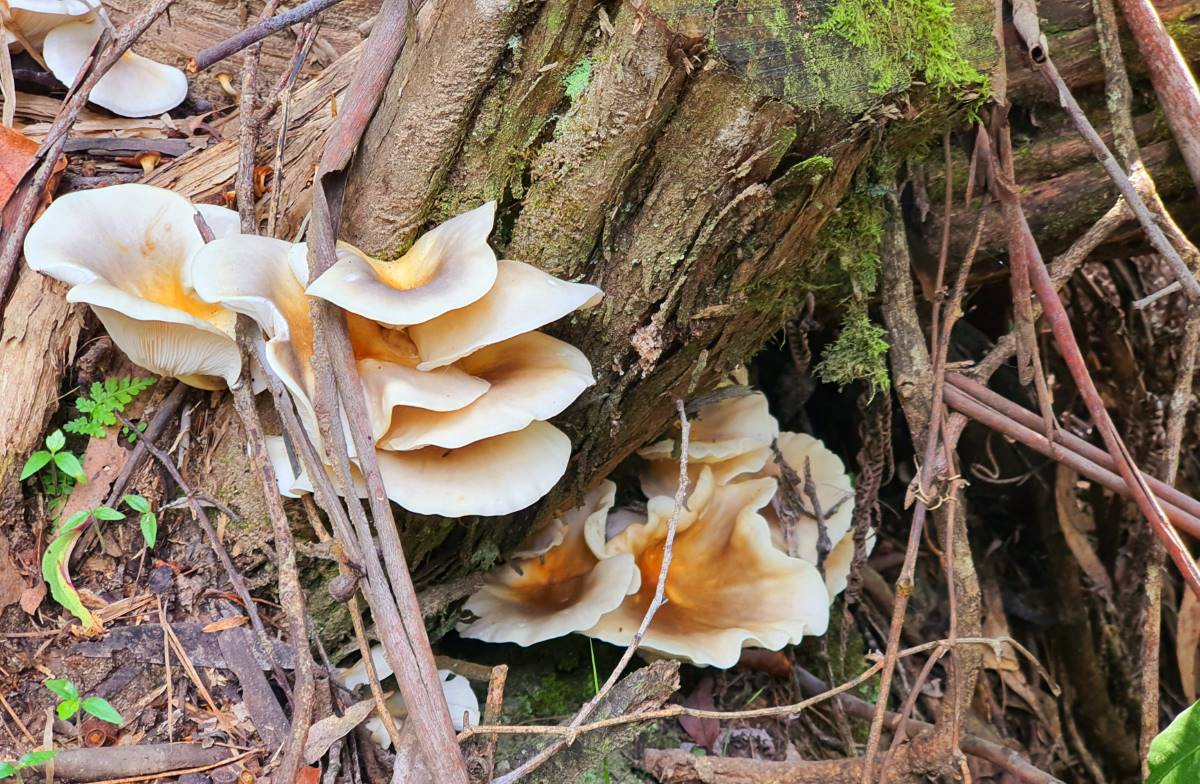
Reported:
(148, 161)
(226, 81)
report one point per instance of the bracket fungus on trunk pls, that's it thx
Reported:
(458, 436)
(731, 583)
(124, 251)
(135, 86)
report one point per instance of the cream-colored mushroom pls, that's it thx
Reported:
(563, 589)
(447, 268)
(728, 586)
(32, 19)
(523, 299)
(124, 250)
(532, 377)
(460, 697)
(495, 476)
(732, 436)
(135, 86)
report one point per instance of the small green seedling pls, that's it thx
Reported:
(147, 520)
(101, 404)
(57, 558)
(58, 459)
(70, 702)
(30, 760)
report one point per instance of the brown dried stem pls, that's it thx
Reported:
(256, 32)
(22, 206)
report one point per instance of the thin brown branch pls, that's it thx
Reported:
(658, 601)
(256, 32)
(291, 595)
(22, 206)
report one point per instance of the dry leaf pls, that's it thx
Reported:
(774, 663)
(31, 598)
(325, 732)
(1187, 640)
(705, 732)
(308, 776)
(16, 153)
(225, 623)
(1074, 524)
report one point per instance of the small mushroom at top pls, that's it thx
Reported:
(135, 86)
(124, 250)
(728, 587)
(565, 588)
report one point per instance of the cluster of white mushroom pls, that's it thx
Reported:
(731, 583)
(460, 699)
(458, 381)
(62, 34)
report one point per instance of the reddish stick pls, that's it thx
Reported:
(1021, 431)
(1064, 338)
(1172, 79)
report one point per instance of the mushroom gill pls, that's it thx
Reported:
(727, 587)
(124, 251)
(557, 588)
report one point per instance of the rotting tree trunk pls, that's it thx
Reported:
(620, 151)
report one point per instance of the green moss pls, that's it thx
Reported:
(858, 354)
(813, 169)
(577, 81)
(905, 37)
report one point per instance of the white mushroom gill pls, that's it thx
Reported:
(124, 252)
(135, 86)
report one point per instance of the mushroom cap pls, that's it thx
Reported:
(660, 476)
(728, 586)
(135, 86)
(124, 250)
(834, 492)
(495, 476)
(523, 299)
(447, 268)
(723, 430)
(36, 18)
(564, 589)
(531, 377)
(460, 697)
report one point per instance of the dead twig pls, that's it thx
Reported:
(658, 601)
(255, 33)
(19, 212)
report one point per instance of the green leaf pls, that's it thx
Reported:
(137, 503)
(56, 441)
(107, 513)
(149, 525)
(62, 688)
(73, 522)
(101, 709)
(69, 465)
(1174, 756)
(36, 758)
(67, 708)
(55, 571)
(36, 462)
(7, 769)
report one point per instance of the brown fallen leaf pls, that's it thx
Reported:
(308, 776)
(17, 153)
(1187, 641)
(31, 598)
(704, 732)
(773, 663)
(224, 623)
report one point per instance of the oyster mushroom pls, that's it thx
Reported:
(460, 698)
(563, 589)
(124, 251)
(448, 267)
(31, 20)
(135, 86)
(728, 586)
